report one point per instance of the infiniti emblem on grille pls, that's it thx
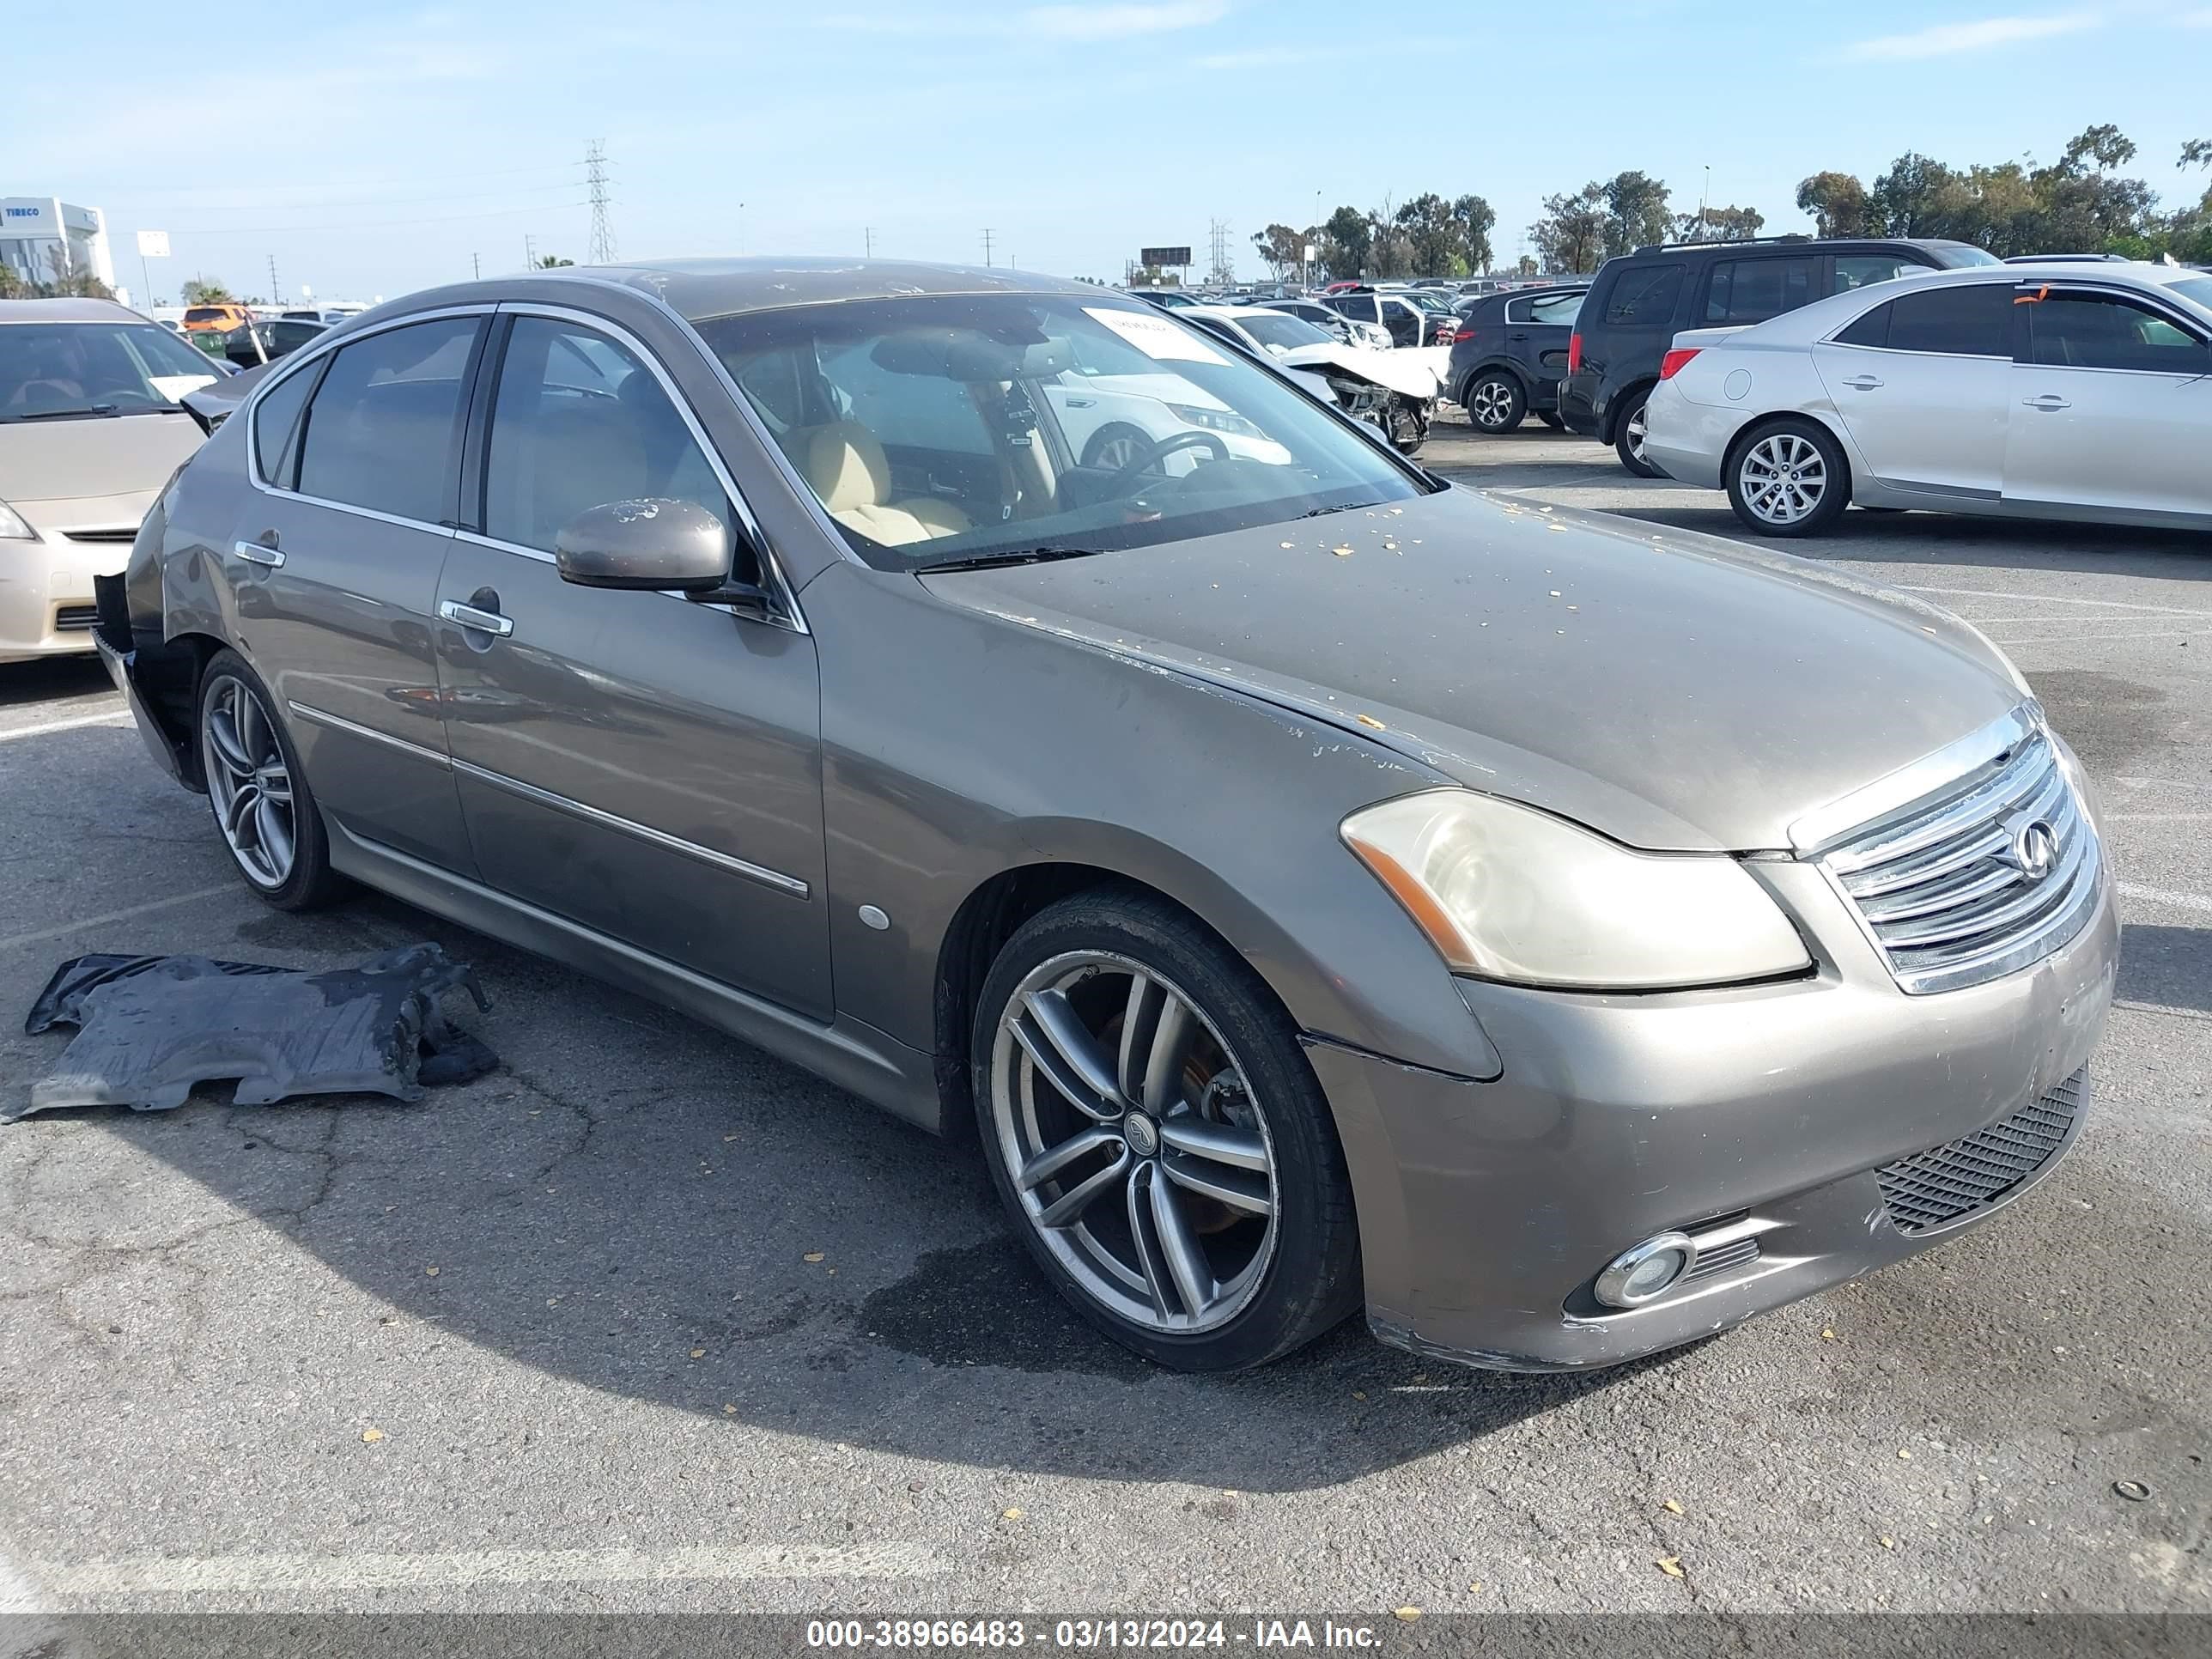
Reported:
(2033, 848)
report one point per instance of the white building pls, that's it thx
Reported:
(43, 237)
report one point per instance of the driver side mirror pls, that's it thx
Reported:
(646, 542)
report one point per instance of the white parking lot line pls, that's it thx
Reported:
(2059, 598)
(112, 717)
(82, 922)
(290, 1576)
(2135, 889)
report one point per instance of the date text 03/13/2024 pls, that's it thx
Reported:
(1087, 1635)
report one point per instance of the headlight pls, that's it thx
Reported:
(1506, 892)
(12, 527)
(1216, 420)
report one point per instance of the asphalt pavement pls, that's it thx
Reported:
(649, 1320)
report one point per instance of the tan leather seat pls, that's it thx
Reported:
(849, 471)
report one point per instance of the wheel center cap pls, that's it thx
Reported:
(1142, 1134)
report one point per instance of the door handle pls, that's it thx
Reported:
(2050, 402)
(1862, 383)
(1516, 337)
(260, 553)
(482, 621)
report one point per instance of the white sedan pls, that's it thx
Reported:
(2059, 391)
(1395, 390)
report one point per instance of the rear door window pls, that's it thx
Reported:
(1858, 271)
(275, 418)
(1644, 296)
(1752, 290)
(1556, 308)
(384, 429)
(1969, 322)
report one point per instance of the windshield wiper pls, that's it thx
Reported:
(1349, 506)
(999, 561)
(66, 414)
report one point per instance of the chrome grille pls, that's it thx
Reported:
(1932, 1188)
(1941, 885)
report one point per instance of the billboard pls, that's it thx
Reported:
(1164, 256)
(153, 244)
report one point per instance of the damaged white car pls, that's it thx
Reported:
(1392, 390)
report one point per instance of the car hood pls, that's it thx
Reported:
(1675, 691)
(99, 455)
(1392, 369)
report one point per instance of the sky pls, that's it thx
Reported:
(401, 146)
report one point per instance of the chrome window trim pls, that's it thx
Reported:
(297, 361)
(1845, 818)
(315, 716)
(786, 599)
(759, 872)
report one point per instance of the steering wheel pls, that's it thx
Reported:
(1157, 449)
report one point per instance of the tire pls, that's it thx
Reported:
(1109, 440)
(276, 840)
(1200, 1285)
(1552, 418)
(1496, 402)
(1408, 428)
(1628, 437)
(1789, 478)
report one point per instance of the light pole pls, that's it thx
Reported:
(1703, 197)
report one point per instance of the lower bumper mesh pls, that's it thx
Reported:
(1941, 1185)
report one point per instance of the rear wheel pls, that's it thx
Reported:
(1628, 440)
(1789, 478)
(263, 807)
(1159, 1137)
(1495, 402)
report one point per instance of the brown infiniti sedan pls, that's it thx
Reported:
(1321, 888)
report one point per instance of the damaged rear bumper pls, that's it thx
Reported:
(120, 654)
(1763, 1121)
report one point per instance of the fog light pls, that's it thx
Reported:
(1636, 1275)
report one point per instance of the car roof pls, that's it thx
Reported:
(67, 311)
(697, 289)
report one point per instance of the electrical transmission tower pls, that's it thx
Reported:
(1222, 271)
(602, 230)
(986, 246)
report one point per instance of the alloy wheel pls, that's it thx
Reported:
(1116, 453)
(1782, 477)
(249, 782)
(1135, 1146)
(1493, 403)
(1638, 429)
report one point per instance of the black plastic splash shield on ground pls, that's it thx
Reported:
(150, 1028)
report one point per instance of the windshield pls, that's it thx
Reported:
(1272, 328)
(949, 429)
(2198, 289)
(48, 369)
(208, 315)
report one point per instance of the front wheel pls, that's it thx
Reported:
(1495, 402)
(1159, 1137)
(1409, 423)
(262, 806)
(1789, 479)
(1628, 441)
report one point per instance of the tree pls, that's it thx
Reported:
(1350, 242)
(1907, 200)
(1635, 212)
(551, 262)
(1526, 265)
(1837, 203)
(199, 291)
(1720, 224)
(1476, 219)
(1282, 247)
(1571, 236)
(1446, 239)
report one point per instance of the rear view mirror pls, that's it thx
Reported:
(646, 542)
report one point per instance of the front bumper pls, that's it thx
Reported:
(1487, 1209)
(47, 603)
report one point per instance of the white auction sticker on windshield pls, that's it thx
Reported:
(173, 387)
(1155, 336)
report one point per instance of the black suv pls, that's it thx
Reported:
(1509, 354)
(1640, 300)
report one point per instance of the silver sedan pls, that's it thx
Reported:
(2059, 391)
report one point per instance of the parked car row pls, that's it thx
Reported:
(2065, 389)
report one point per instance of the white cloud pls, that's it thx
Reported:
(1944, 40)
(1117, 22)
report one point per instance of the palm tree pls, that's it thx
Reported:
(201, 292)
